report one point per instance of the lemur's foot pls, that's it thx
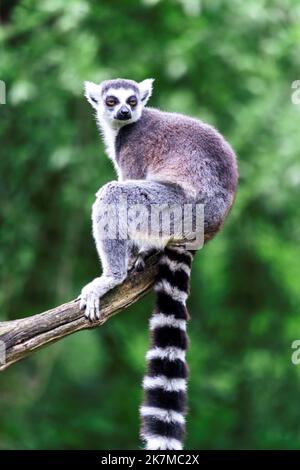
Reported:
(90, 299)
(140, 264)
(131, 262)
(143, 256)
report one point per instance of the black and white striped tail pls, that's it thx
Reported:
(163, 410)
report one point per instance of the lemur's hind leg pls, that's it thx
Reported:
(115, 243)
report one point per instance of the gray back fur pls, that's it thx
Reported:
(174, 148)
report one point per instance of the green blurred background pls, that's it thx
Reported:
(230, 63)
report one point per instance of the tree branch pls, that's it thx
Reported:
(23, 336)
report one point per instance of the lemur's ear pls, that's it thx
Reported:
(146, 89)
(92, 93)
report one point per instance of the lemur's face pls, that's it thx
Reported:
(119, 101)
(121, 104)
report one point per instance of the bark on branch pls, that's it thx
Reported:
(23, 336)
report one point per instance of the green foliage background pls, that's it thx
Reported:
(230, 63)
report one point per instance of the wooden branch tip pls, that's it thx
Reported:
(19, 338)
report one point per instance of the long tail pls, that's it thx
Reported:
(164, 407)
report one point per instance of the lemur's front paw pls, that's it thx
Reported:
(90, 300)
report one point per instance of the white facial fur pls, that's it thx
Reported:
(107, 117)
(97, 99)
(122, 94)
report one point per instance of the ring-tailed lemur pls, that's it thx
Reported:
(161, 159)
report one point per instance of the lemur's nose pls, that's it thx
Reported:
(124, 111)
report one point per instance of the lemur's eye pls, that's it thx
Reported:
(111, 101)
(132, 101)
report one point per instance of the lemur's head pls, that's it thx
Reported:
(119, 101)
